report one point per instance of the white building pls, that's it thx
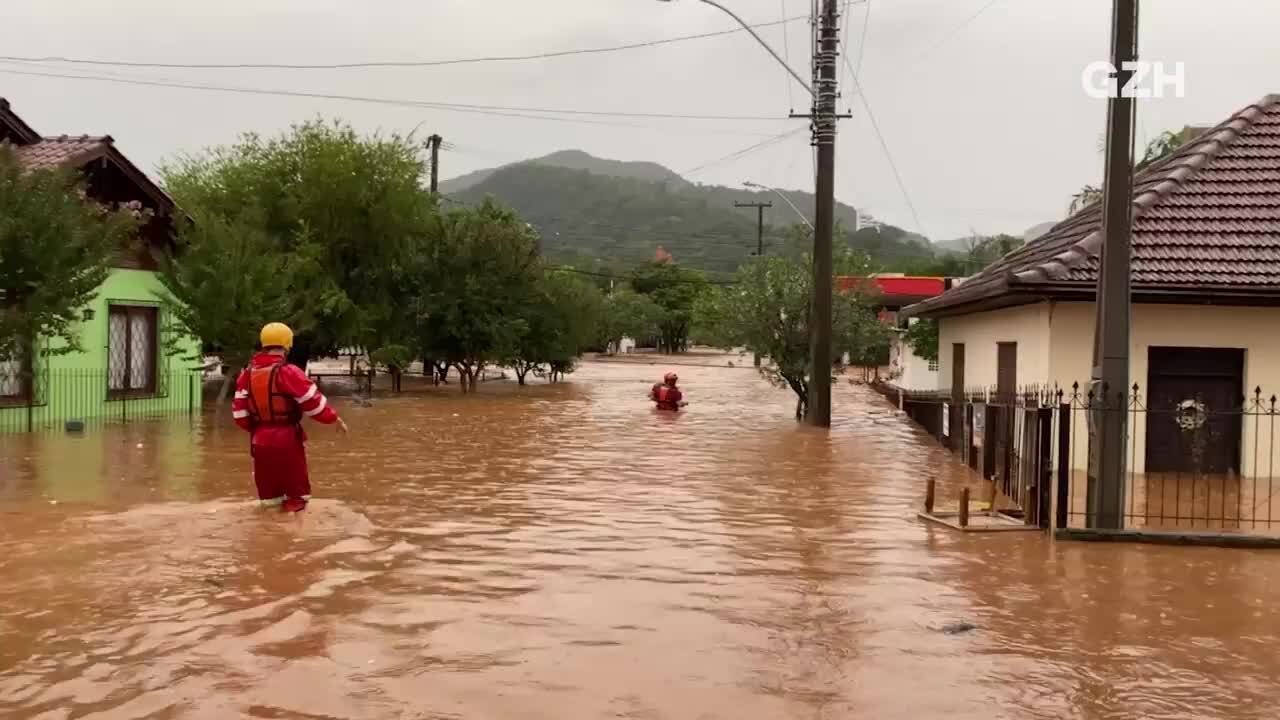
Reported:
(1206, 304)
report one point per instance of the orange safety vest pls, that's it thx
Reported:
(666, 397)
(267, 405)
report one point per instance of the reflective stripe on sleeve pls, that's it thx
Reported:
(310, 393)
(324, 402)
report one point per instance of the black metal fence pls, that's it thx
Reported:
(50, 399)
(1199, 461)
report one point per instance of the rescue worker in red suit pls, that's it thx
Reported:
(272, 397)
(666, 395)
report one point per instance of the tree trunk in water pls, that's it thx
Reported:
(520, 374)
(224, 390)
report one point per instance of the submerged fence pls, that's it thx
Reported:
(52, 398)
(1197, 460)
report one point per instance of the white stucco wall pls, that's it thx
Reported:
(1055, 346)
(1028, 326)
(908, 370)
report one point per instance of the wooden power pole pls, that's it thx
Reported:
(759, 206)
(434, 143)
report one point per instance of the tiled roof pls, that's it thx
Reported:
(1206, 219)
(54, 152)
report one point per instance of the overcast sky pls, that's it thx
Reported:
(984, 116)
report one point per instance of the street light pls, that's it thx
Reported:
(759, 39)
(787, 200)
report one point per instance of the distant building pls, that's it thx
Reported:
(906, 369)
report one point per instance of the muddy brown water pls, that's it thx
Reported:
(566, 552)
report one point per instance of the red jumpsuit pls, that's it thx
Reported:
(271, 399)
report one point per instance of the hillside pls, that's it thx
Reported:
(576, 160)
(613, 215)
(638, 170)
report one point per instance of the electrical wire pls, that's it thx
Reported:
(460, 107)
(735, 155)
(391, 64)
(786, 55)
(953, 32)
(866, 104)
(628, 278)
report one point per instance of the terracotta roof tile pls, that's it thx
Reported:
(1207, 215)
(53, 152)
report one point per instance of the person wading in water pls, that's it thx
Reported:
(666, 395)
(271, 399)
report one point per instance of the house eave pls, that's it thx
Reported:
(1228, 295)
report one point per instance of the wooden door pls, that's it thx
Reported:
(959, 424)
(1194, 418)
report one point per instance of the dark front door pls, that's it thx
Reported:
(1194, 417)
(1000, 450)
(958, 415)
(1006, 368)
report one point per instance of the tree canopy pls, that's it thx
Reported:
(56, 247)
(344, 206)
(767, 312)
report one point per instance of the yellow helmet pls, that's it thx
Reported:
(276, 335)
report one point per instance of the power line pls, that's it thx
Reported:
(391, 63)
(862, 44)
(725, 238)
(628, 278)
(459, 107)
(946, 37)
(786, 54)
(735, 155)
(866, 104)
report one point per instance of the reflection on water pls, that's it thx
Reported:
(567, 552)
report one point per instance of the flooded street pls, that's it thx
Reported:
(566, 552)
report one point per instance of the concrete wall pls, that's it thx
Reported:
(980, 332)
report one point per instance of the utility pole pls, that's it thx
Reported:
(434, 142)
(1111, 333)
(823, 121)
(759, 206)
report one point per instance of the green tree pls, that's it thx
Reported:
(767, 312)
(226, 281)
(626, 313)
(560, 317)
(1160, 147)
(922, 336)
(469, 284)
(56, 249)
(675, 289)
(352, 207)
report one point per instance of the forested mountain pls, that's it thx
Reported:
(611, 215)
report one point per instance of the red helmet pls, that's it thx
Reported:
(670, 377)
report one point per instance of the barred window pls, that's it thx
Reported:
(11, 384)
(131, 350)
(933, 366)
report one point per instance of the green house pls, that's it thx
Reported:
(133, 363)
